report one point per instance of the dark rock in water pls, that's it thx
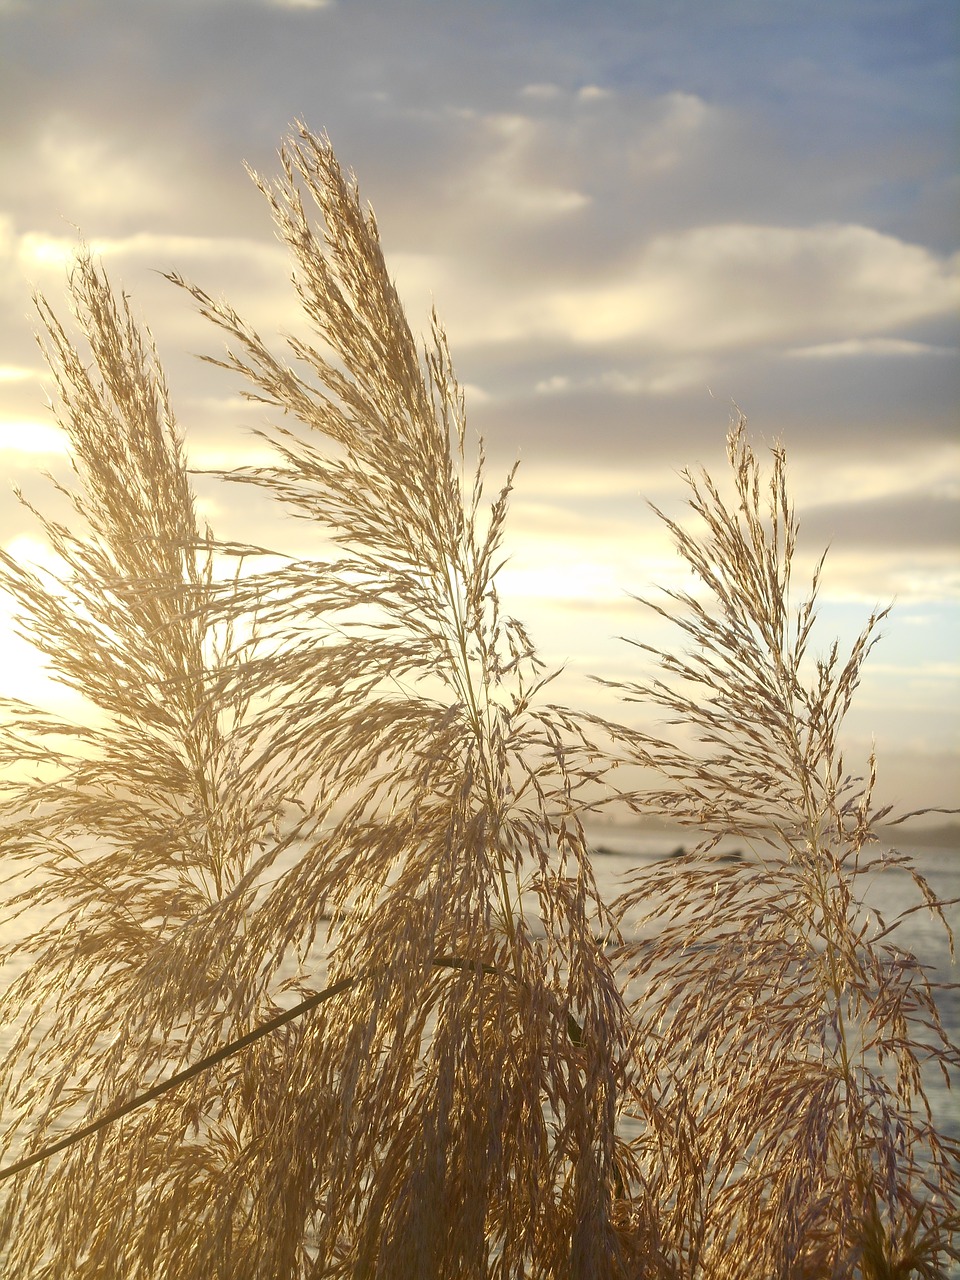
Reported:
(728, 855)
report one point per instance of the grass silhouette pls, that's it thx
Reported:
(330, 988)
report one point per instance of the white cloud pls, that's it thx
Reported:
(88, 173)
(9, 277)
(870, 347)
(557, 383)
(17, 373)
(475, 394)
(253, 274)
(681, 121)
(38, 249)
(665, 379)
(539, 163)
(510, 175)
(573, 579)
(866, 478)
(542, 92)
(546, 92)
(32, 437)
(36, 554)
(740, 285)
(710, 289)
(869, 578)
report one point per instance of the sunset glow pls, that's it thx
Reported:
(627, 222)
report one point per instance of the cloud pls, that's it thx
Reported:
(86, 172)
(31, 437)
(254, 275)
(508, 175)
(892, 472)
(884, 574)
(881, 347)
(710, 289)
(680, 121)
(17, 373)
(542, 92)
(39, 249)
(617, 220)
(901, 521)
(666, 379)
(738, 285)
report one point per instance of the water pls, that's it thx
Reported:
(620, 850)
(888, 892)
(626, 848)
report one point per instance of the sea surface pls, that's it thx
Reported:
(888, 892)
(620, 851)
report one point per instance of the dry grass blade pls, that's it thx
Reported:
(396, 713)
(773, 1021)
(326, 985)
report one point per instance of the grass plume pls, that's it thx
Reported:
(320, 859)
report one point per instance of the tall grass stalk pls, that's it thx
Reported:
(339, 788)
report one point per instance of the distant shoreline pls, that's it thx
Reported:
(944, 835)
(928, 835)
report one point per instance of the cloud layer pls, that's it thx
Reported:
(629, 215)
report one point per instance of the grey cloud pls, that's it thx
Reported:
(825, 407)
(733, 113)
(226, 79)
(896, 522)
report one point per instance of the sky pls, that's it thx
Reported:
(631, 215)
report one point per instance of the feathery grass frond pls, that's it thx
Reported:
(324, 983)
(774, 1018)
